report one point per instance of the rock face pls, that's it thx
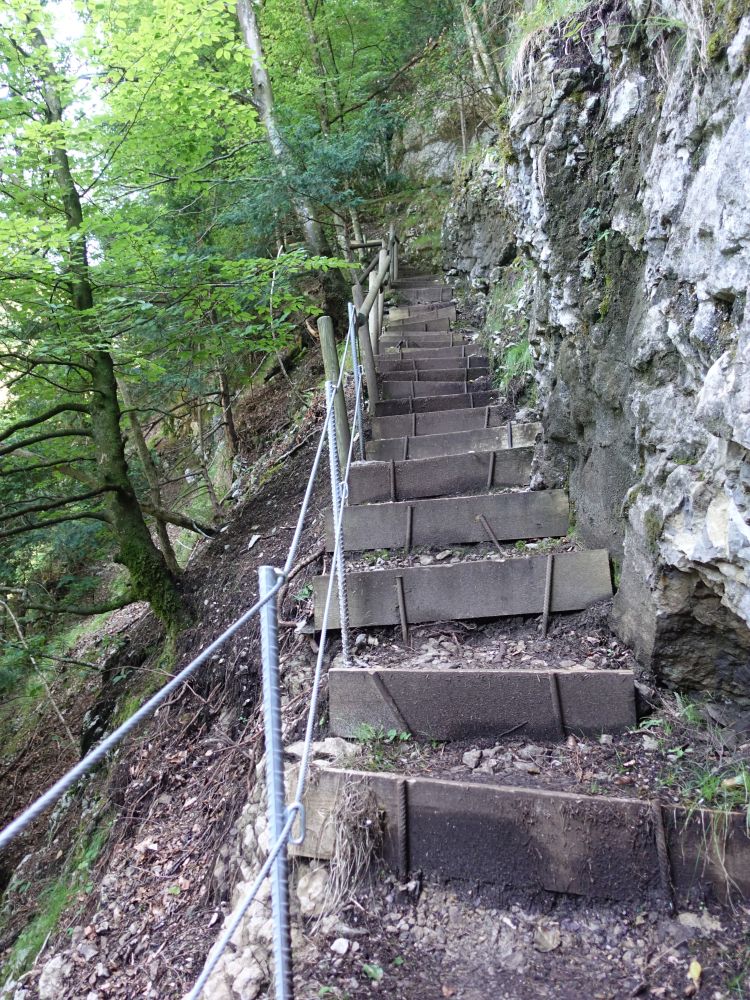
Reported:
(624, 180)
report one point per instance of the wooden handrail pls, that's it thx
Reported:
(372, 295)
(370, 267)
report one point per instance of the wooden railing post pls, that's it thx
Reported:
(382, 260)
(393, 245)
(331, 366)
(374, 315)
(365, 350)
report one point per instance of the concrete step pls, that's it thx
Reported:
(435, 353)
(376, 482)
(454, 374)
(452, 443)
(470, 400)
(417, 326)
(465, 704)
(415, 365)
(396, 389)
(428, 310)
(536, 841)
(470, 590)
(452, 521)
(438, 422)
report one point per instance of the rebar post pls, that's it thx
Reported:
(337, 500)
(269, 633)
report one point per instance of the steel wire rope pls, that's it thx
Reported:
(296, 808)
(60, 787)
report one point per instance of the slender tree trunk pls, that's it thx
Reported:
(484, 65)
(152, 478)
(150, 575)
(227, 415)
(263, 100)
(203, 460)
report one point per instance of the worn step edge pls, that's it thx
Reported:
(437, 422)
(412, 595)
(445, 363)
(471, 704)
(376, 482)
(425, 404)
(416, 294)
(534, 841)
(430, 325)
(468, 350)
(452, 442)
(394, 389)
(436, 374)
(452, 521)
(436, 310)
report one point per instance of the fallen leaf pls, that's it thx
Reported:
(694, 972)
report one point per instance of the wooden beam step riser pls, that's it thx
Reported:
(537, 842)
(437, 422)
(421, 341)
(452, 521)
(451, 443)
(430, 404)
(418, 280)
(431, 353)
(394, 389)
(378, 482)
(482, 704)
(416, 365)
(429, 293)
(417, 326)
(470, 590)
(437, 374)
(426, 311)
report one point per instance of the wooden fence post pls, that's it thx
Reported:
(373, 317)
(331, 366)
(365, 351)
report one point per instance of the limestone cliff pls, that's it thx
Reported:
(622, 178)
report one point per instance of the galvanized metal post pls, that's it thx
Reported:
(338, 526)
(269, 634)
(358, 419)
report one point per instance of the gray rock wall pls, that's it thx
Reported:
(624, 178)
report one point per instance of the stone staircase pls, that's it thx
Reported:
(445, 469)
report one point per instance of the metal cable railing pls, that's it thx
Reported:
(282, 818)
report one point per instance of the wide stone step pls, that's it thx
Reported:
(414, 365)
(451, 443)
(482, 704)
(470, 400)
(376, 482)
(414, 295)
(438, 422)
(536, 841)
(417, 326)
(469, 590)
(452, 521)
(396, 389)
(428, 310)
(437, 374)
(434, 353)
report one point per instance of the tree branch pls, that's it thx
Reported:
(21, 425)
(180, 520)
(94, 609)
(49, 436)
(50, 522)
(37, 508)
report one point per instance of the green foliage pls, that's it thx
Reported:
(517, 361)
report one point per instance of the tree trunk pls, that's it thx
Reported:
(152, 478)
(263, 100)
(150, 576)
(230, 428)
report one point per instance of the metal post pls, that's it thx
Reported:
(337, 501)
(269, 634)
(357, 421)
(372, 319)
